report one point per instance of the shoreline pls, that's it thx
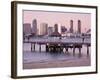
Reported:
(79, 62)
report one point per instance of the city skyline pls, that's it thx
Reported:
(63, 19)
(43, 30)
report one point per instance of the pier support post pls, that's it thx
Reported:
(80, 52)
(34, 46)
(73, 50)
(60, 48)
(31, 47)
(87, 50)
(47, 48)
(67, 51)
(40, 47)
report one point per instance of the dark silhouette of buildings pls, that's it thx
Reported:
(45, 30)
(27, 28)
(34, 27)
(56, 28)
(55, 33)
(63, 29)
(79, 26)
(50, 30)
(71, 26)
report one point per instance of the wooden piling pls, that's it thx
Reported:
(34, 47)
(40, 47)
(80, 52)
(31, 47)
(73, 50)
(47, 48)
(87, 50)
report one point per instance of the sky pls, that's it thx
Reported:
(61, 18)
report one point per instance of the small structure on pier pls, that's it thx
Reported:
(54, 47)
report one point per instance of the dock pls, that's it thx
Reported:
(58, 44)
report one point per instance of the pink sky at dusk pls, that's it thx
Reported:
(58, 17)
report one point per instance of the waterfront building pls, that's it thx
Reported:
(71, 26)
(43, 29)
(34, 27)
(56, 28)
(63, 29)
(50, 30)
(79, 27)
(56, 33)
(27, 28)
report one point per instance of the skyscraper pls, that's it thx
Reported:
(50, 30)
(79, 26)
(71, 26)
(43, 29)
(56, 28)
(59, 28)
(56, 33)
(34, 27)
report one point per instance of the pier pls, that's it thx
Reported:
(58, 44)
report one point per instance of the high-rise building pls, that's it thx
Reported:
(34, 27)
(43, 29)
(27, 28)
(56, 33)
(59, 28)
(50, 30)
(63, 29)
(79, 26)
(56, 28)
(71, 26)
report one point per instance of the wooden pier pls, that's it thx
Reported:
(56, 45)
